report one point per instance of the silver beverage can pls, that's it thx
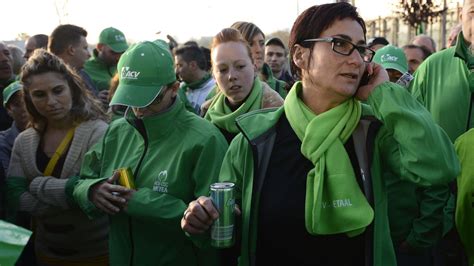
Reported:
(222, 231)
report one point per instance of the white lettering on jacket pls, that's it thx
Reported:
(338, 203)
(160, 184)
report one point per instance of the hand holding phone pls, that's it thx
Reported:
(373, 76)
(365, 78)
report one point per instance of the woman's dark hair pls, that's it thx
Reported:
(313, 21)
(84, 105)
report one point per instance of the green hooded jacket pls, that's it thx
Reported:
(405, 123)
(174, 156)
(100, 73)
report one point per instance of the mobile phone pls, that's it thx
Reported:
(365, 78)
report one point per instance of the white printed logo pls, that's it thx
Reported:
(338, 203)
(119, 38)
(126, 73)
(388, 57)
(161, 185)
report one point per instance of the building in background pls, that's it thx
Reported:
(399, 33)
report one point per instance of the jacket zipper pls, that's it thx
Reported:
(138, 123)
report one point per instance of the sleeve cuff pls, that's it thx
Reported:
(81, 196)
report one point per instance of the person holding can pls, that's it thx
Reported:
(308, 179)
(173, 155)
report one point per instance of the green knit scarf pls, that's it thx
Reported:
(223, 117)
(334, 202)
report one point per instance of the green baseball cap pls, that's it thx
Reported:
(113, 38)
(391, 57)
(144, 70)
(10, 90)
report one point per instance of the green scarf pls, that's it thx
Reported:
(196, 84)
(334, 202)
(223, 117)
(192, 86)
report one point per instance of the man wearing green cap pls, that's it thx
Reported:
(415, 212)
(13, 103)
(102, 66)
(173, 155)
(393, 59)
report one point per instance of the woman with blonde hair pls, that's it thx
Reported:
(65, 121)
(256, 41)
(240, 89)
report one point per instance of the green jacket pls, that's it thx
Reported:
(398, 112)
(416, 213)
(277, 85)
(100, 73)
(465, 199)
(443, 84)
(174, 156)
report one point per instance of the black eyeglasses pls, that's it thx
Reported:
(345, 47)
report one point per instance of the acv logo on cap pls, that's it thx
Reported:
(126, 73)
(120, 38)
(388, 58)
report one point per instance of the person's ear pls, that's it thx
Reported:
(301, 56)
(100, 46)
(71, 50)
(174, 89)
(9, 110)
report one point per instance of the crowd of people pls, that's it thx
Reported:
(343, 150)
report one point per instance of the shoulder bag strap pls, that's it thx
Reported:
(59, 152)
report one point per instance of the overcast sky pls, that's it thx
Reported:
(141, 19)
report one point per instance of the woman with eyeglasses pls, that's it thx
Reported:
(309, 176)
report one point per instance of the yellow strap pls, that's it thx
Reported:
(59, 151)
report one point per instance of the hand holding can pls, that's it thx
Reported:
(222, 231)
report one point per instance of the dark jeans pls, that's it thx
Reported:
(449, 251)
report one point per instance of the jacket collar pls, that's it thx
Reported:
(264, 118)
(157, 125)
(462, 51)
